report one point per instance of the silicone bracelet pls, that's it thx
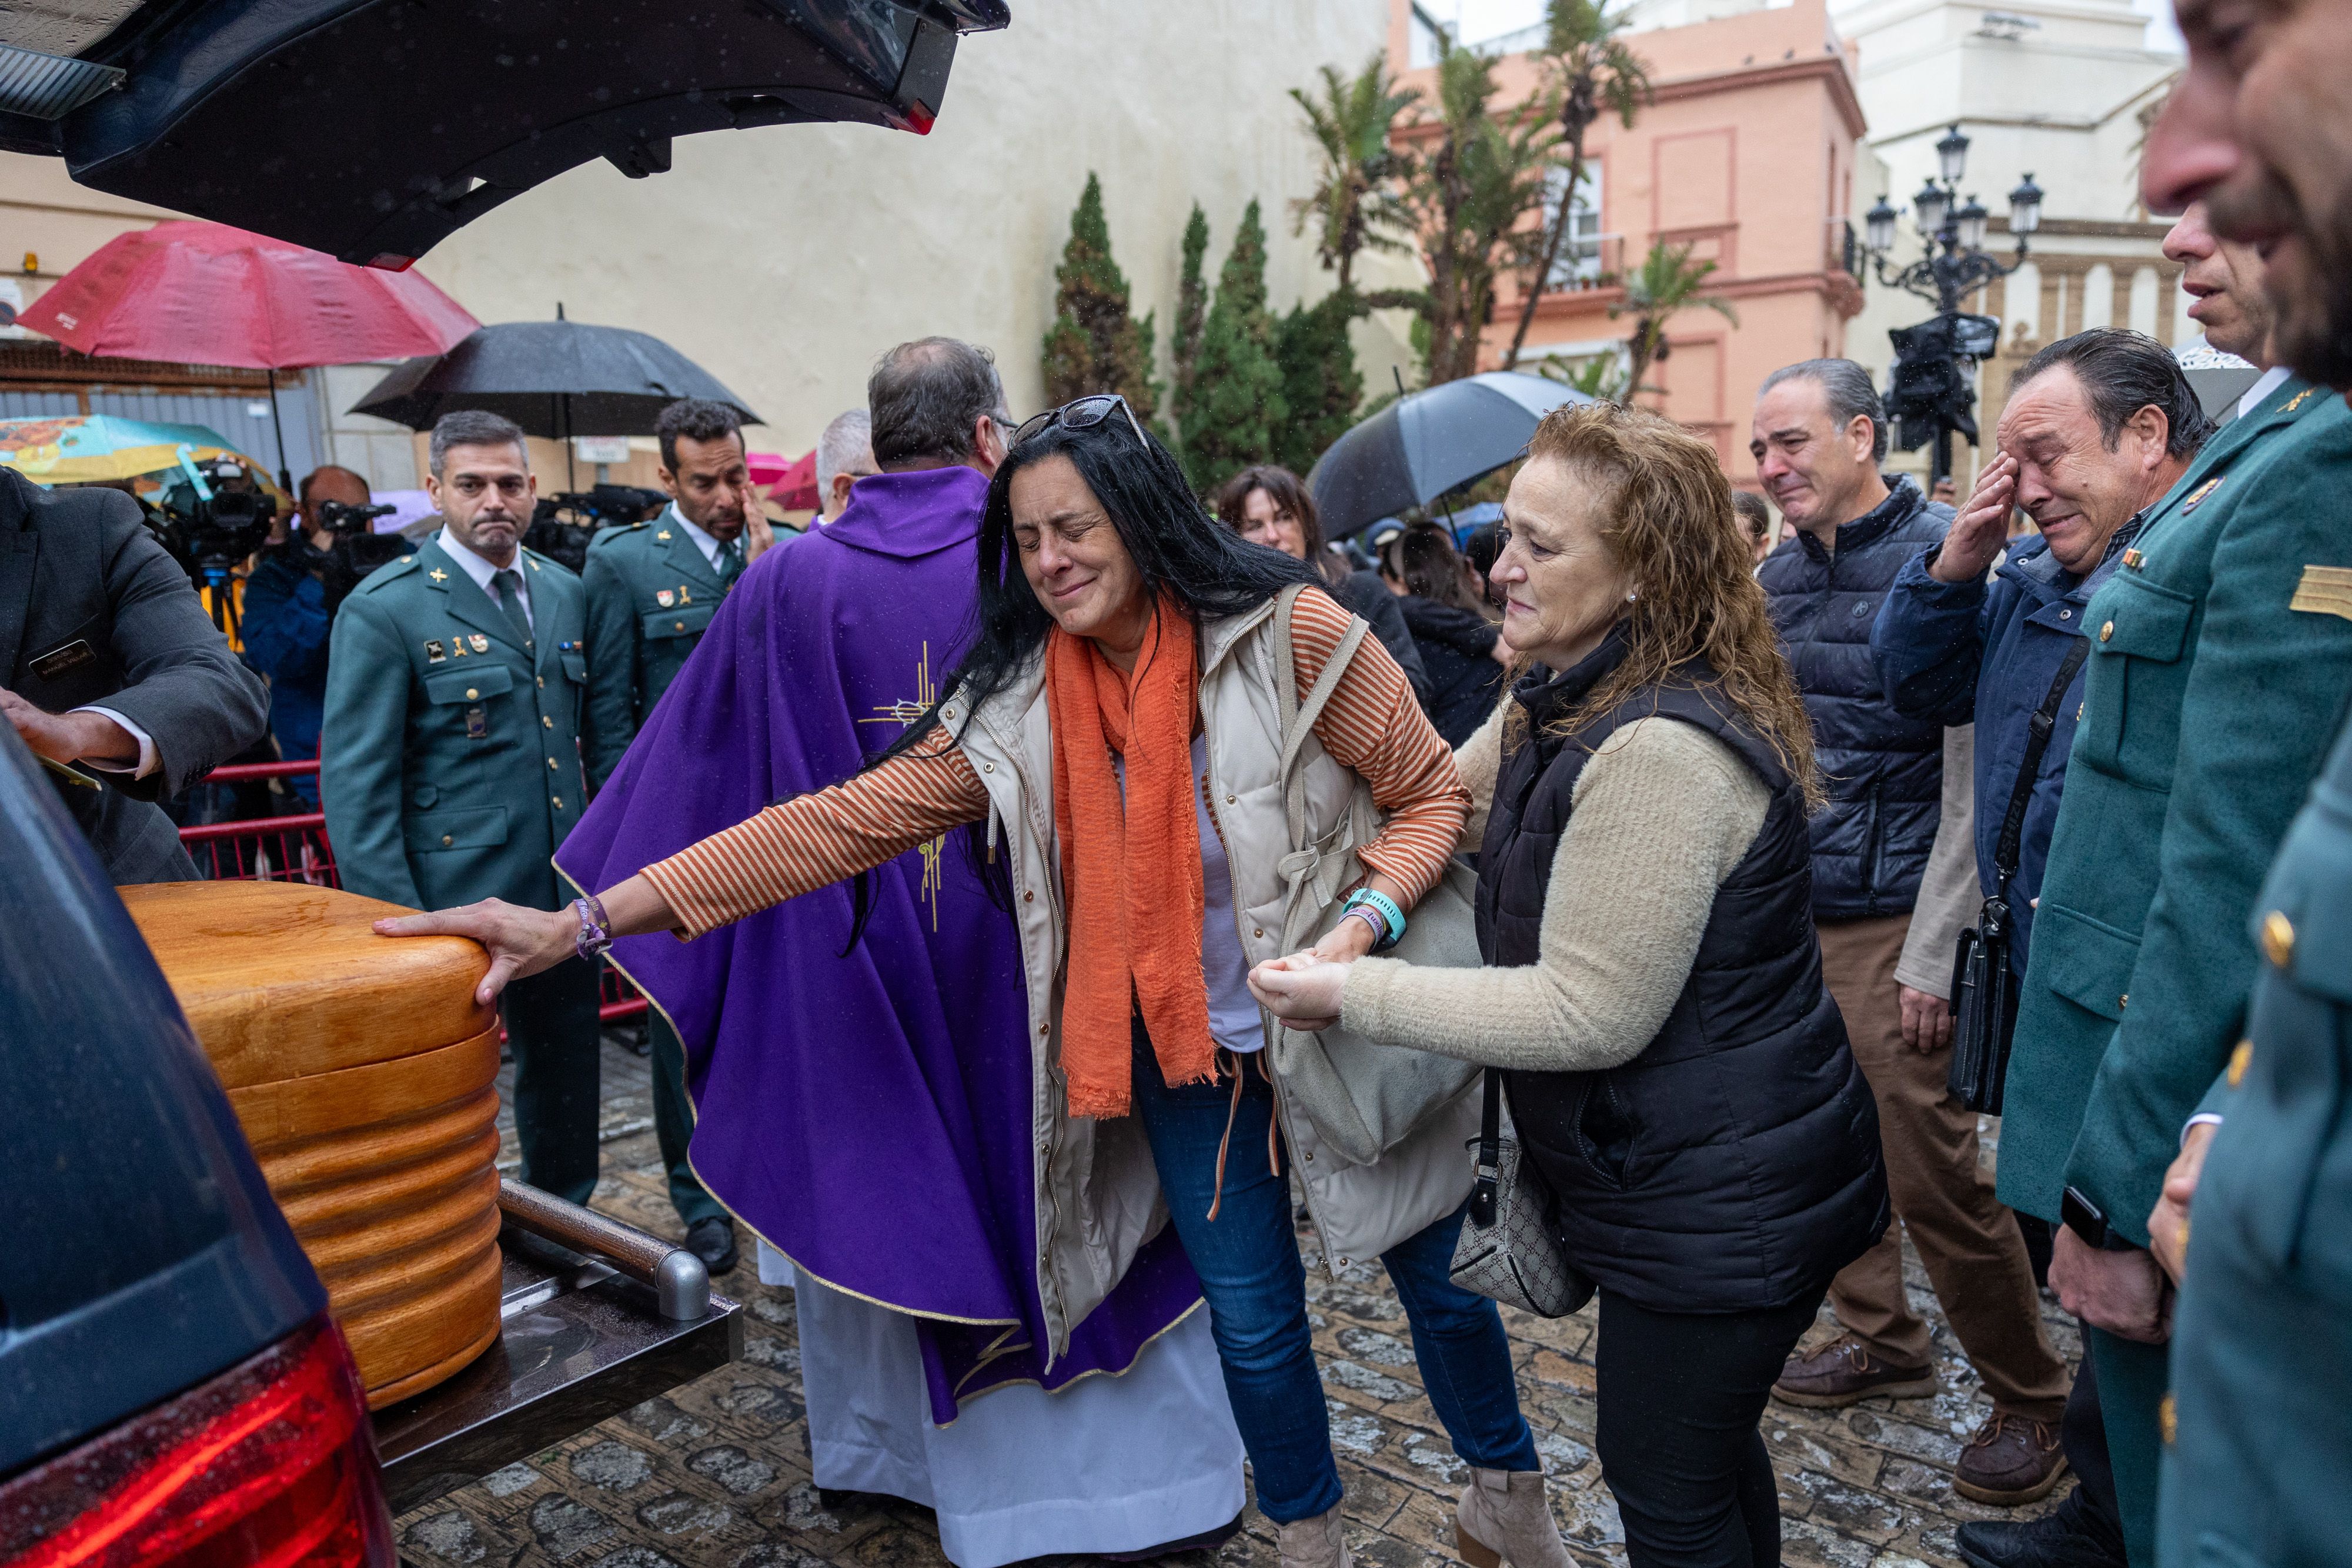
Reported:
(1388, 910)
(1371, 917)
(596, 927)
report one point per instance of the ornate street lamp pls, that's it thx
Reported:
(1928, 381)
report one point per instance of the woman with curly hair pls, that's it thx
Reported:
(1677, 1073)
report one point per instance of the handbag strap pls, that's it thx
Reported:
(1298, 714)
(1490, 1153)
(2007, 848)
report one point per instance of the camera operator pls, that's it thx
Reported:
(111, 670)
(288, 607)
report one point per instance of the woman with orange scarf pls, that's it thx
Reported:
(1112, 739)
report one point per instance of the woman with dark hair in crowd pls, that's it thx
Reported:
(1111, 739)
(1480, 546)
(1268, 504)
(1462, 649)
(1678, 1075)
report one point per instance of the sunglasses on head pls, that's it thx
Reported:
(1082, 413)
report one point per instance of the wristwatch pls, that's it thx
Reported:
(595, 930)
(2085, 1218)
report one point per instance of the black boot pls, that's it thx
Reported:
(2057, 1541)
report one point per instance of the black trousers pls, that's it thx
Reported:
(2090, 1507)
(551, 1028)
(1681, 1395)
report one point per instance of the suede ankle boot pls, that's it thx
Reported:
(1504, 1517)
(1312, 1543)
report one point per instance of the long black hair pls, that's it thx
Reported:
(1177, 548)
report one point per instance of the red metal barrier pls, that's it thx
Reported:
(295, 849)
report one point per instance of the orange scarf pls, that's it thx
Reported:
(1131, 870)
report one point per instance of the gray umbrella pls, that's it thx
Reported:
(556, 378)
(1427, 443)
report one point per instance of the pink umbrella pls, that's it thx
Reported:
(205, 293)
(795, 489)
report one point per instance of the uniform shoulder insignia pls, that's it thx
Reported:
(389, 572)
(2324, 591)
(2298, 401)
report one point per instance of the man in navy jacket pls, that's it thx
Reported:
(1820, 434)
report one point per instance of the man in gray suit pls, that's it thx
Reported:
(110, 671)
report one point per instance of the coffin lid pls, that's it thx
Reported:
(283, 979)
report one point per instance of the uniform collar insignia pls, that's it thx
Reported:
(438, 575)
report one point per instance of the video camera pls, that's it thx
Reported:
(213, 518)
(564, 523)
(358, 549)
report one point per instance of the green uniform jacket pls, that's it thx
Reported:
(650, 596)
(449, 758)
(2257, 1468)
(2220, 655)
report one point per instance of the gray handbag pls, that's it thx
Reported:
(1362, 1099)
(1510, 1248)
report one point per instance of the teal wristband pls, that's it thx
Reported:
(1390, 913)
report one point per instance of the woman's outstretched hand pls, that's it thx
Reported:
(1302, 990)
(521, 942)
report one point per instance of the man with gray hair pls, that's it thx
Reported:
(450, 757)
(1820, 434)
(823, 665)
(845, 455)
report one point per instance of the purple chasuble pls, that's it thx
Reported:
(868, 1113)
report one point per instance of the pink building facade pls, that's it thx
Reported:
(1748, 155)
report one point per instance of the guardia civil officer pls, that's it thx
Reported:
(652, 589)
(450, 757)
(111, 670)
(2258, 1450)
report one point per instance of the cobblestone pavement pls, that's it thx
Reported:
(718, 1472)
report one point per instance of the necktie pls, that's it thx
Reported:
(730, 563)
(509, 587)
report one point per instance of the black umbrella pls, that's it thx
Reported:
(556, 378)
(1426, 443)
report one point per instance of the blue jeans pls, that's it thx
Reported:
(1247, 1259)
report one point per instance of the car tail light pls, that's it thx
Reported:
(271, 1464)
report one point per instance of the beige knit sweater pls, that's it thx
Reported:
(1663, 812)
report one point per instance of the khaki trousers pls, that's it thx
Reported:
(1967, 1239)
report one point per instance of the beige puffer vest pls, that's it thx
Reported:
(1098, 1197)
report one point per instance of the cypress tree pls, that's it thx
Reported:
(1192, 311)
(1236, 403)
(1320, 383)
(1094, 345)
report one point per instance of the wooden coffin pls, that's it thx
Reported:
(365, 1078)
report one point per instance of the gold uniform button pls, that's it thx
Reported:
(550, 765)
(2278, 938)
(446, 841)
(2237, 1061)
(2167, 1420)
(559, 801)
(546, 721)
(2121, 1002)
(681, 625)
(2106, 631)
(471, 694)
(542, 683)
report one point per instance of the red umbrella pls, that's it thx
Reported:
(204, 293)
(795, 491)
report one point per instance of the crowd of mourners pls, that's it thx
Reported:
(1053, 887)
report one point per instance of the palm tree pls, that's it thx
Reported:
(1354, 206)
(1468, 194)
(1591, 69)
(1668, 281)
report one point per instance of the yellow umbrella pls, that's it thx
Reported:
(97, 448)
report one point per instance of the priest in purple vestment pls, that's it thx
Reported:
(862, 1094)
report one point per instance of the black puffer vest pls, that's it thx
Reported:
(1734, 1164)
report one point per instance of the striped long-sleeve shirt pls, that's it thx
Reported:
(1370, 725)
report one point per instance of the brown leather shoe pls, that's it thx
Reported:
(2010, 1461)
(1842, 1373)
